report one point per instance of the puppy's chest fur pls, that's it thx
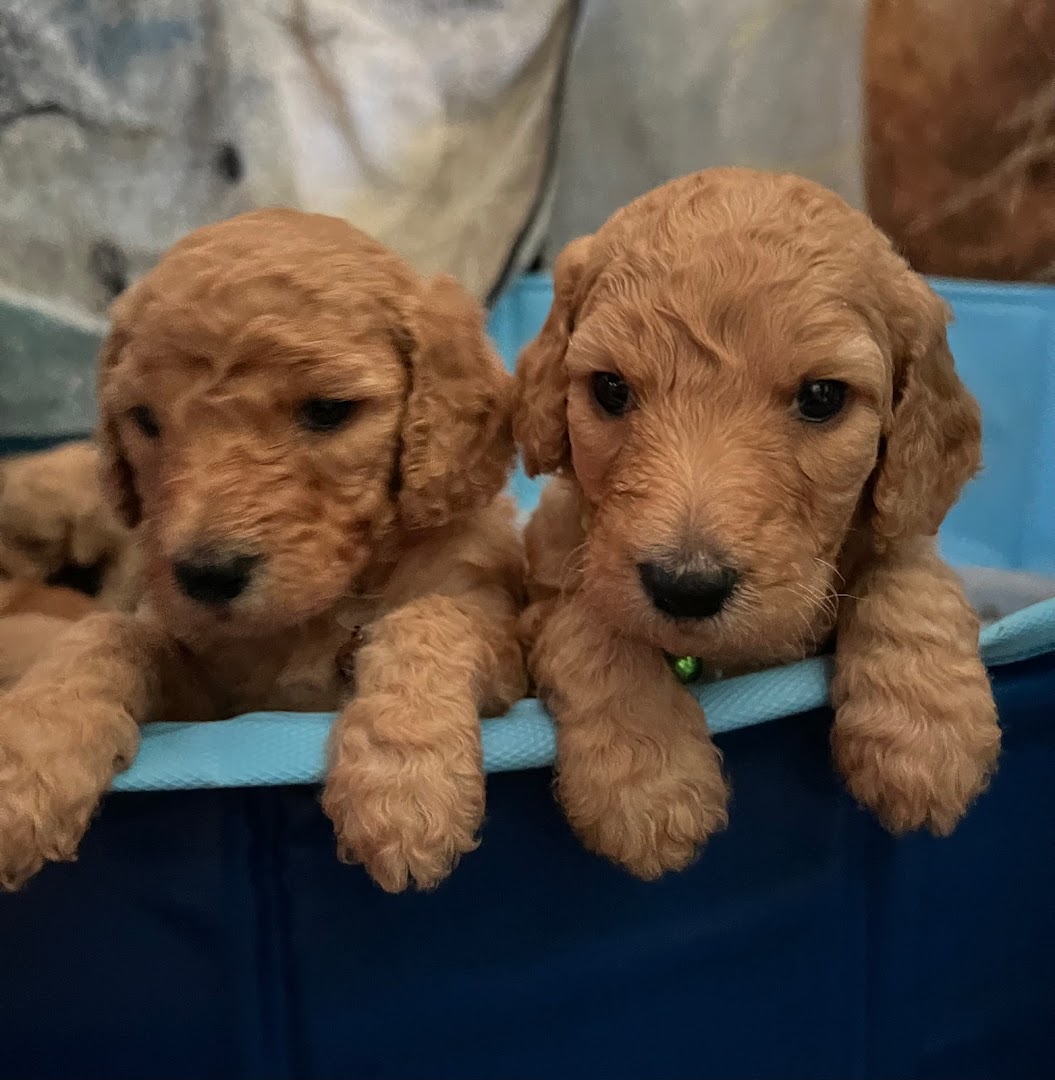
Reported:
(308, 670)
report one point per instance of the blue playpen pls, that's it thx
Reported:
(208, 930)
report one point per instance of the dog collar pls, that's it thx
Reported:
(691, 669)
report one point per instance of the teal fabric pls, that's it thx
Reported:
(1003, 338)
(265, 749)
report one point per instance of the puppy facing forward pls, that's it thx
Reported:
(751, 407)
(310, 440)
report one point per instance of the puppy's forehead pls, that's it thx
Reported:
(729, 305)
(256, 328)
(736, 262)
(253, 294)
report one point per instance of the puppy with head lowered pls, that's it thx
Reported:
(751, 408)
(310, 441)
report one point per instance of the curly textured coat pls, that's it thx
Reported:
(53, 516)
(715, 299)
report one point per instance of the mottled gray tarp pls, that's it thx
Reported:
(47, 374)
(656, 90)
(126, 123)
(996, 593)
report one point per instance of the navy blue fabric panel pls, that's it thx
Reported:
(963, 943)
(151, 957)
(537, 959)
(214, 934)
(806, 942)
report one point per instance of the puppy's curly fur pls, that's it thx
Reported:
(53, 516)
(380, 551)
(716, 298)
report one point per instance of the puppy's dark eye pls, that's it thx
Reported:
(143, 417)
(820, 400)
(611, 392)
(325, 414)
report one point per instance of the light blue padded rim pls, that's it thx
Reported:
(268, 749)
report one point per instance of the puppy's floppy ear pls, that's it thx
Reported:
(457, 435)
(116, 473)
(540, 423)
(932, 445)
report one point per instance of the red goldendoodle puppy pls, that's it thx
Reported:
(752, 408)
(313, 439)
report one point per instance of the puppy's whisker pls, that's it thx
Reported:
(829, 566)
(568, 570)
(820, 602)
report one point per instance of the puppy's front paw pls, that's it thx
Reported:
(405, 809)
(915, 776)
(51, 779)
(646, 806)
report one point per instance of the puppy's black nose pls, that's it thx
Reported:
(687, 594)
(214, 577)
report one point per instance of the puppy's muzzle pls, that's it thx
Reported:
(214, 577)
(682, 593)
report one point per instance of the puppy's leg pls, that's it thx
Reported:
(405, 788)
(637, 773)
(67, 727)
(915, 732)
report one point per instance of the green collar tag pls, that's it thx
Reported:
(687, 669)
(691, 669)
